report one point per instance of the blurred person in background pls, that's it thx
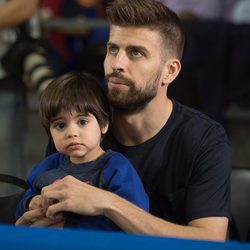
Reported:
(13, 13)
(79, 49)
(206, 9)
(88, 45)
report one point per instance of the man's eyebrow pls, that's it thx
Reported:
(137, 47)
(111, 44)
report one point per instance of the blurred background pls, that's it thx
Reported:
(71, 35)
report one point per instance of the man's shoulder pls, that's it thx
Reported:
(190, 117)
(187, 113)
(195, 125)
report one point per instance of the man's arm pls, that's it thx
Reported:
(81, 198)
(14, 12)
(133, 219)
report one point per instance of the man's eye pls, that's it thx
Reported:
(135, 53)
(112, 50)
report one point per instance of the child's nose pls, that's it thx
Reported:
(72, 132)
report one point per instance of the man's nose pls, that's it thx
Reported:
(119, 62)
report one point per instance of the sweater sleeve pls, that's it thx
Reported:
(123, 180)
(47, 164)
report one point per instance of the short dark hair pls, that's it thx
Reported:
(78, 91)
(151, 14)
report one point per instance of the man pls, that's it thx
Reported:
(182, 156)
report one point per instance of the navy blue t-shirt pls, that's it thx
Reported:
(185, 168)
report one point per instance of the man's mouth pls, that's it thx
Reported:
(118, 81)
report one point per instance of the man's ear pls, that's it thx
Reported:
(171, 71)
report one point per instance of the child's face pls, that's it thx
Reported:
(77, 136)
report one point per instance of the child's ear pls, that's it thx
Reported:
(105, 129)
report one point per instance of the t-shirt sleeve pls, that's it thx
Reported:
(208, 193)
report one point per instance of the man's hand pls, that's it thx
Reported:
(73, 196)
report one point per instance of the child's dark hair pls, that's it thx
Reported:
(77, 91)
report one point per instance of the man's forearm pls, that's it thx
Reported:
(14, 12)
(132, 219)
(81, 198)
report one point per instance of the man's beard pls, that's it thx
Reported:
(134, 100)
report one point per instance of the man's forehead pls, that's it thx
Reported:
(134, 36)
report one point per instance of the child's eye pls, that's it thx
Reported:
(83, 121)
(60, 125)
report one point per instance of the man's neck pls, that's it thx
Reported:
(134, 129)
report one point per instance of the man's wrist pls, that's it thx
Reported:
(111, 204)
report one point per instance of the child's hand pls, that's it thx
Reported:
(36, 218)
(40, 218)
(58, 225)
(35, 202)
